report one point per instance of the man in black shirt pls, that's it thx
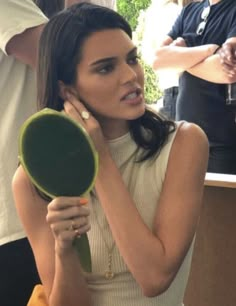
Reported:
(200, 30)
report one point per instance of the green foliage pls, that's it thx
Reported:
(152, 91)
(133, 11)
(130, 9)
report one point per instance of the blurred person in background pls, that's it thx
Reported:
(159, 19)
(107, 3)
(200, 31)
(21, 23)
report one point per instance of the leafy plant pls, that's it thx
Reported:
(152, 91)
(130, 10)
(134, 12)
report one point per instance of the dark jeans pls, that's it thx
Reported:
(169, 102)
(18, 273)
(222, 160)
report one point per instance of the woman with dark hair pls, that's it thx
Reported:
(144, 209)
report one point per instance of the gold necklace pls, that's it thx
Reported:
(108, 274)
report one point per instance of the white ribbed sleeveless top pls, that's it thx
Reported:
(142, 179)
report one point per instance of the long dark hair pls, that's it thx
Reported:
(60, 52)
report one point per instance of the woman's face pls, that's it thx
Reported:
(110, 79)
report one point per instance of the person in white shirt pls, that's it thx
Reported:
(21, 24)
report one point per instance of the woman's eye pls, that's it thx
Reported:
(105, 69)
(133, 60)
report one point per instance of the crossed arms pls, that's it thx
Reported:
(200, 61)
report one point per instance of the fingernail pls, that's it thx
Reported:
(83, 201)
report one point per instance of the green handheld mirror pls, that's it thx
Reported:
(60, 159)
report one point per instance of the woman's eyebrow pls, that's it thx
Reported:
(103, 60)
(110, 59)
(131, 52)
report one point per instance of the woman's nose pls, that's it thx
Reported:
(128, 74)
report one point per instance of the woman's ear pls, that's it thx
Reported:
(64, 89)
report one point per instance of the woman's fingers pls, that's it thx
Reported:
(71, 227)
(65, 202)
(58, 211)
(73, 107)
(77, 111)
(68, 218)
(73, 112)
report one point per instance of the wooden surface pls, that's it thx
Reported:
(220, 180)
(212, 279)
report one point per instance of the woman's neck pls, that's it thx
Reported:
(113, 129)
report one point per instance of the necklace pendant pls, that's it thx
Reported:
(109, 275)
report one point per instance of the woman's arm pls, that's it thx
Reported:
(155, 262)
(47, 229)
(153, 257)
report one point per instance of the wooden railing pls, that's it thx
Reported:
(212, 280)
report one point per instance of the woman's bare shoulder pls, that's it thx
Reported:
(191, 134)
(21, 180)
(190, 148)
(25, 193)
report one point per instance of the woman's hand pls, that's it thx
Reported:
(68, 218)
(77, 111)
